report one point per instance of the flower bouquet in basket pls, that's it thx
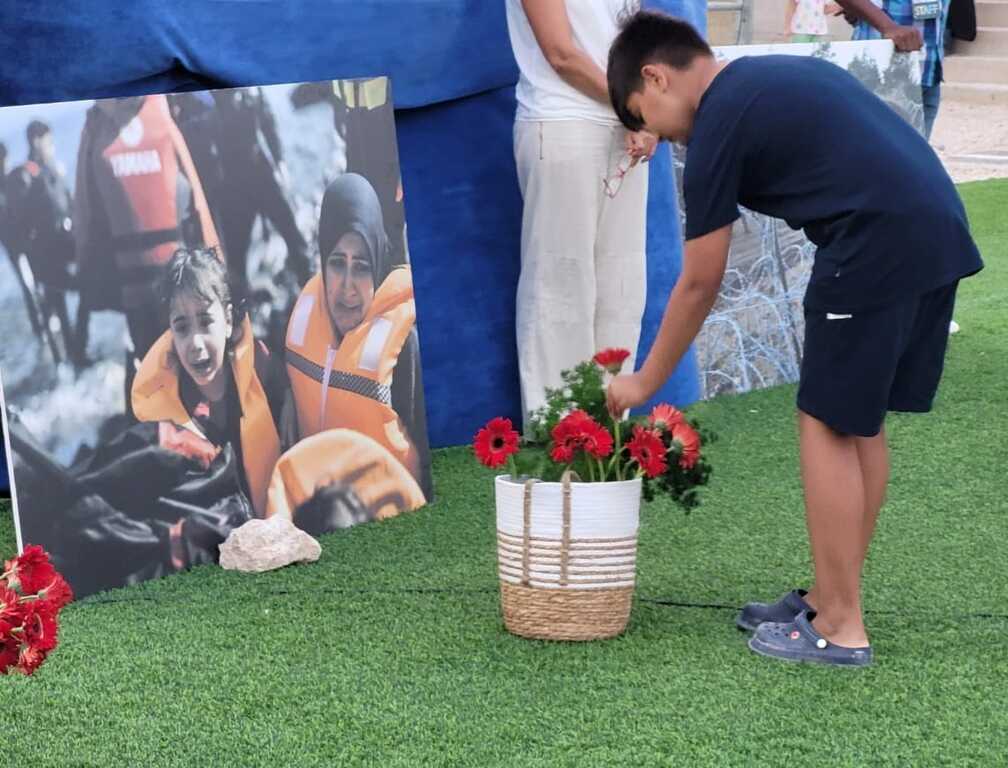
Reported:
(568, 510)
(32, 594)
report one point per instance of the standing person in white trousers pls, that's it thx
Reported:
(583, 271)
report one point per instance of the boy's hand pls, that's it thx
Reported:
(627, 391)
(906, 38)
(640, 145)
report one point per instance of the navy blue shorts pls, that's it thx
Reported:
(858, 367)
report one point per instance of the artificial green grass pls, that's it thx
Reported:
(391, 651)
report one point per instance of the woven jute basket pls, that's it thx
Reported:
(567, 556)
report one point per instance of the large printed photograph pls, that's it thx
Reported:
(209, 318)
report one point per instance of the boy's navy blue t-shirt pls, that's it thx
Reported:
(802, 140)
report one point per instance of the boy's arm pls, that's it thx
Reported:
(905, 38)
(704, 262)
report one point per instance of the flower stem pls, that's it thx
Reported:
(512, 468)
(619, 450)
(602, 471)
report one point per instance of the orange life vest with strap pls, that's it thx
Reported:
(156, 397)
(141, 170)
(349, 386)
(384, 486)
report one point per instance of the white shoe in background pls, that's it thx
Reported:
(953, 327)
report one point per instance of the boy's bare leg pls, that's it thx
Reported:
(873, 456)
(836, 512)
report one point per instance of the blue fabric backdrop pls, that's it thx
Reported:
(453, 75)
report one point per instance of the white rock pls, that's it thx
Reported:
(264, 545)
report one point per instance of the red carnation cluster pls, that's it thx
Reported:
(578, 431)
(495, 443)
(32, 594)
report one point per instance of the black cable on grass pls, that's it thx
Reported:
(487, 590)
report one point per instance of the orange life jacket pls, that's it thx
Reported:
(379, 480)
(358, 372)
(139, 182)
(155, 397)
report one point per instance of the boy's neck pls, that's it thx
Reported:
(705, 69)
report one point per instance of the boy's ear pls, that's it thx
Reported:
(655, 75)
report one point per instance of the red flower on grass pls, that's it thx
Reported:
(612, 359)
(579, 431)
(30, 571)
(39, 627)
(10, 611)
(29, 659)
(665, 416)
(689, 444)
(648, 450)
(9, 648)
(495, 442)
(57, 594)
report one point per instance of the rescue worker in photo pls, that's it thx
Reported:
(339, 478)
(255, 181)
(39, 225)
(9, 242)
(205, 379)
(352, 349)
(138, 199)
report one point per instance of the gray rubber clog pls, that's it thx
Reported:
(798, 641)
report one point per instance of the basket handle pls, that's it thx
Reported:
(527, 525)
(527, 528)
(565, 535)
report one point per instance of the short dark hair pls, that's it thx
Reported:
(37, 129)
(648, 37)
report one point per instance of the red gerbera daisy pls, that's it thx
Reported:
(40, 626)
(612, 359)
(10, 611)
(29, 659)
(566, 440)
(579, 431)
(58, 593)
(30, 571)
(689, 444)
(665, 416)
(8, 648)
(647, 449)
(495, 442)
(597, 441)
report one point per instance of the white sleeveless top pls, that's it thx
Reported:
(542, 94)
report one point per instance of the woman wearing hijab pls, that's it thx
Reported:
(352, 350)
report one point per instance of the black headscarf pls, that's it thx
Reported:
(350, 204)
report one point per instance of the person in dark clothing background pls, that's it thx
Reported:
(8, 241)
(39, 225)
(253, 181)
